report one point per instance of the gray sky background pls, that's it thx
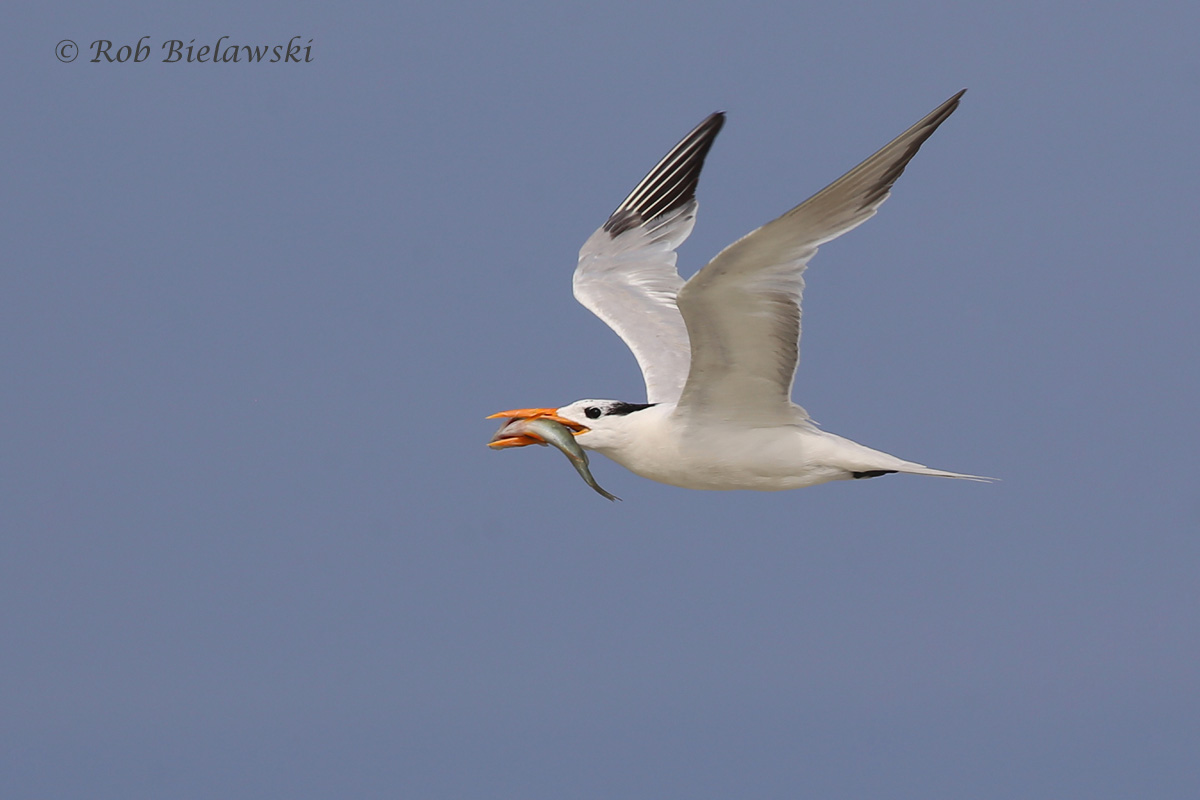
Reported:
(252, 317)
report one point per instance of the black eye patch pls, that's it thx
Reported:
(621, 409)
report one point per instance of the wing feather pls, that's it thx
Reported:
(626, 273)
(742, 311)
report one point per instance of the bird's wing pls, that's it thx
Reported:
(743, 309)
(626, 274)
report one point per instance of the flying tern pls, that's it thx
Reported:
(718, 353)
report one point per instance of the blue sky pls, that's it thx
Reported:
(252, 317)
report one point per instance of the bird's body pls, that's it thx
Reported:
(719, 352)
(664, 444)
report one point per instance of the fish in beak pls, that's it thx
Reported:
(542, 426)
(516, 433)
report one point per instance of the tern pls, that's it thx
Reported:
(719, 353)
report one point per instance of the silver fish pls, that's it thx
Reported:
(546, 431)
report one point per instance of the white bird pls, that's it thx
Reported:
(719, 352)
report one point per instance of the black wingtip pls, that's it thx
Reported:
(672, 182)
(914, 137)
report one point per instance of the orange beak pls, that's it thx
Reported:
(532, 413)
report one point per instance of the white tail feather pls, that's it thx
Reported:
(910, 468)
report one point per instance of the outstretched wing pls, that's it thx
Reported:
(743, 310)
(626, 274)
